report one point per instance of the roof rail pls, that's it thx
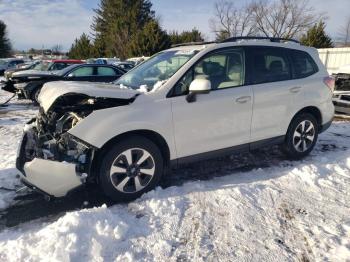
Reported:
(272, 39)
(194, 43)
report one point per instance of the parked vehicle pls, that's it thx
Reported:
(21, 67)
(29, 85)
(182, 105)
(9, 63)
(126, 65)
(106, 61)
(341, 97)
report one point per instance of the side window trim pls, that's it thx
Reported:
(217, 51)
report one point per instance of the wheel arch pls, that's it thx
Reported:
(314, 111)
(149, 134)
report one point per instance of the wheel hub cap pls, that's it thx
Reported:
(304, 136)
(132, 170)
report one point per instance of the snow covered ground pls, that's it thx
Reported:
(271, 209)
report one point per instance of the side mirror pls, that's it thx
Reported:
(198, 86)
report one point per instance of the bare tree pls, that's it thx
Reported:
(271, 18)
(344, 32)
(284, 18)
(229, 21)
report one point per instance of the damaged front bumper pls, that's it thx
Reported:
(52, 177)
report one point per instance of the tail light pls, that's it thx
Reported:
(329, 82)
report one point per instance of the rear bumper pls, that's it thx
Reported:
(325, 126)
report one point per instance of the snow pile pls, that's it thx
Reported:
(292, 211)
(12, 120)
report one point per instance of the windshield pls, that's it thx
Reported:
(156, 69)
(2, 62)
(42, 66)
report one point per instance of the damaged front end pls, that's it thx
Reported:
(50, 159)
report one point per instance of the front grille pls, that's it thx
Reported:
(345, 97)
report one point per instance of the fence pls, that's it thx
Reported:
(333, 58)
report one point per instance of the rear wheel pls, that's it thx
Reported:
(301, 136)
(130, 168)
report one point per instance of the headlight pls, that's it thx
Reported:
(20, 85)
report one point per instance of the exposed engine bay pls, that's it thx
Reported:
(46, 137)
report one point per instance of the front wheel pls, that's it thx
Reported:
(130, 168)
(35, 96)
(301, 136)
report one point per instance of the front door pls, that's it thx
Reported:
(220, 119)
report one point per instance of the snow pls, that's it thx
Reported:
(281, 211)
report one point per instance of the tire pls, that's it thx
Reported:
(34, 95)
(124, 182)
(301, 136)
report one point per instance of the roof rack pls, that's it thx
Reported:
(272, 39)
(194, 43)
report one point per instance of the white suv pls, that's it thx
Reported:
(184, 104)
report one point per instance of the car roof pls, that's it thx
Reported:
(73, 61)
(244, 42)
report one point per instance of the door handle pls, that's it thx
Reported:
(295, 89)
(243, 99)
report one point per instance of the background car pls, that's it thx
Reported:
(29, 85)
(20, 67)
(9, 63)
(126, 65)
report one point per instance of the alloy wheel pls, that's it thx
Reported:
(132, 170)
(304, 136)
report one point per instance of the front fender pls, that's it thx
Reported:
(103, 125)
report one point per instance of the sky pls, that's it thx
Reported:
(45, 23)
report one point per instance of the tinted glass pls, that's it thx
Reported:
(223, 70)
(105, 71)
(83, 71)
(269, 65)
(303, 64)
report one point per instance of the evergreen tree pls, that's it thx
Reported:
(82, 48)
(150, 40)
(5, 44)
(186, 37)
(317, 37)
(117, 23)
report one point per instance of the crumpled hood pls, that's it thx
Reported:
(53, 90)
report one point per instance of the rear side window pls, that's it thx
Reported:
(303, 64)
(269, 65)
(105, 71)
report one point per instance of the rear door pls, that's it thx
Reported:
(270, 76)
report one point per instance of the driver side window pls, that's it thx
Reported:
(224, 69)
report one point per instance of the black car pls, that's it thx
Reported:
(28, 85)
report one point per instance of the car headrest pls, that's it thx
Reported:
(212, 69)
(276, 67)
